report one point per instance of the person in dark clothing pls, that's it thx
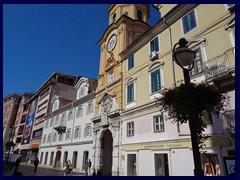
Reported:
(89, 166)
(36, 162)
(16, 165)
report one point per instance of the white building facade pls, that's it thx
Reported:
(67, 133)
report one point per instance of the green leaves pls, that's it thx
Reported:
(187, 102)
(9, 144)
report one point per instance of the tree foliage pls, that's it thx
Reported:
(9, 144)
(188, 102)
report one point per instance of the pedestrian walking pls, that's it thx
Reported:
(70, 167)
(16, 165)
(89, 166)
(86, 167)
(36, 162)
(65, 168)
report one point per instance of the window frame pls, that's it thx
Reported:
(152, 91)
(90, 107)
(189, 20)
(130, 62)
(68, 134)
(77, 133)
(154, 41)
(160, 118)
(130, 129)
(132, 91)
(79, 112)
(197, 59)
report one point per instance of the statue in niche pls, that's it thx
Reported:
(105, 109)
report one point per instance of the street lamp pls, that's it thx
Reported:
(184, 57)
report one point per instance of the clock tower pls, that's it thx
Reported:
(127, 22)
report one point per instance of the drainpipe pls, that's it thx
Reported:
(173, 69)
(170, 38)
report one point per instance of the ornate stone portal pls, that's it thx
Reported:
(106, 128)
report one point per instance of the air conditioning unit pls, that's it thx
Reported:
(153, 55)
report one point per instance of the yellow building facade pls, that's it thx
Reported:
(127, 22)
(148, 70)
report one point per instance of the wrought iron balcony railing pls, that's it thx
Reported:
(220, 65)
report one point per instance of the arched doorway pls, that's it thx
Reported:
(58, 159)
(107, 148)
(51, 159)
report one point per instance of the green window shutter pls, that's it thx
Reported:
(155, 81)
(130, 93)
(131, 62)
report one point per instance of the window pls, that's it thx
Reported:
(49, 138)
(158, 123)
(46, 124)
(55, 137)
(37, 133)
(155, 81)
(131, 62)
(44, 139)
(57, 121)
(130, 93)
(139, 15)
(60, 137)
(70, 115)
(207, 117)
(63, 119)
(68, 134)
(197, 63)
(90, 108)
(189, 22)
(79, 111)
(55, 105)
(114, 18)
(81, 92)
(77, 133)
(51, 123)
(87, 131)
(154, 46)
(130, 129)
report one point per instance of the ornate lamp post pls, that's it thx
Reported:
(184, 57)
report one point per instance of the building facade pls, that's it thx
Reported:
(39, 105)
(21, 119)
(127, 22)
(67, 133)
(10, 108)
(148, 70)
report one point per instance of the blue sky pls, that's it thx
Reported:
(39, 40)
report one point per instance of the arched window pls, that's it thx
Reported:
(139, 15)
(46, 158)
(74, 161)
(114, 18)
(41, 158)
(55, 105)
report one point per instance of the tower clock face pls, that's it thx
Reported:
(112, 43)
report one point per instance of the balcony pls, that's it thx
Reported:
(220, 71)
(60, 126)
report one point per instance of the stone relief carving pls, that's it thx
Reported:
(105, 109)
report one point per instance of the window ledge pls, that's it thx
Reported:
(131, 104)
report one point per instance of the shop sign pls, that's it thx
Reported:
(34, 145)
(59, 147)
